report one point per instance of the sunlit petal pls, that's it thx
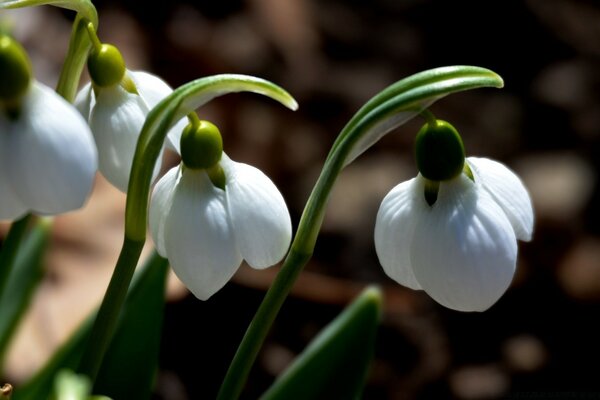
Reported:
(85, 101)
(116, 121)
(199, 240)
(464, 251)
(508, 191)
(261, 221)
(160, 205)
(153, 90)
(394, 229)
(50, 153)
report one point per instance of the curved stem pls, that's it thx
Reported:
(158, 122)
(79, 47)
(93, 36)
(413, 93)
(107, 318)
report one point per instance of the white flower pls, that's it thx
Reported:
(205, 232)
(47, 156)
(461, 251)
(116, 118)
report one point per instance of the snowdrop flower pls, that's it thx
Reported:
(452, 231)
(116, 103)
(47, 155)
(210, 212)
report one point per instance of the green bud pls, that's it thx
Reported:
(201, 145)
(15, 69)
(106, 65)
(439, 151)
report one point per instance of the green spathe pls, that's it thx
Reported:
(106, 65)
(439, 151)
(15, 69)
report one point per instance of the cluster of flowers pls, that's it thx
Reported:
(451, 231)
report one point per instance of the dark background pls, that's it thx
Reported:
(541, 338)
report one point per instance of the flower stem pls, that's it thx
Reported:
(418, 91)
(10, 248)
(107, 318)
(79, 46)
(259, 327)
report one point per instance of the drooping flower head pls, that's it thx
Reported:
(47, 155)
(452, 231)
(116, 104)
(210, 213)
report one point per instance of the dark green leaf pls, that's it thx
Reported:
(335, 364)
(147, 287)
(130, 363)
(22, 280)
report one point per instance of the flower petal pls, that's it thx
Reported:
(116, 121)
(160, 205)
(198, 235)
(85, 101)
(394, 230)
(464, 249)
(261, 221)
(11, 207)
(153, 90)
(50, 154)
(508, 191)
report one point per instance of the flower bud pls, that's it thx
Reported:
(15, 69)
(201, 145)
(106, 65)
(439, 151)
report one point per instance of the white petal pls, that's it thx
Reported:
(508, 191)
(261, 221)
(394, 230)
(153, 90)
(464, 249)
(50, 154)
(160, 205)
(85, 101)
(116, 121)
(11, 207)
(199, 239)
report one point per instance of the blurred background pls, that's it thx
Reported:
(333, 55)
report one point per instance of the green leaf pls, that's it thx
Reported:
(335, 363)
(131, 361)
(150, 282)
(22, 281)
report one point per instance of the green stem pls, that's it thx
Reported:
(413, 93)
(107, 318)
(158, 122)
(79, 47)
(259, 327)
(10, 248)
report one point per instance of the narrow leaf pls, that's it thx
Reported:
(69, 354)
(22, 281)
(131, 361)
(335, 363)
